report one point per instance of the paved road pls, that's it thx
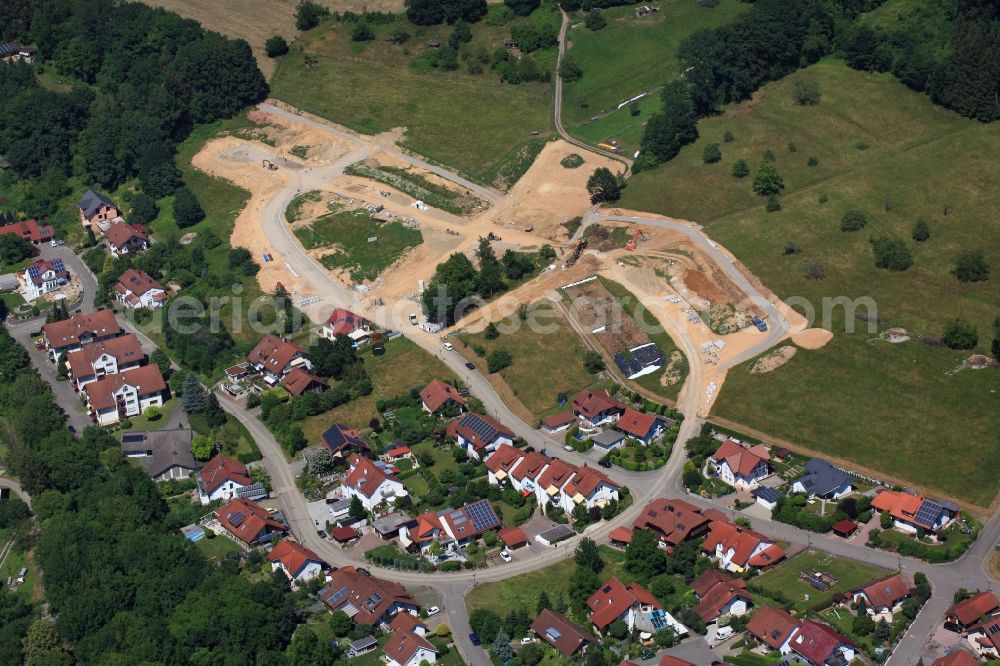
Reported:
(563, 32)
(15, 487)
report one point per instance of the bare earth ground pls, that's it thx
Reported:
(257, 20)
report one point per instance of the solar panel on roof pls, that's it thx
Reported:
(340, 594)
(236, 518)
(126, 439)
(58, 264)
(553, 633)
(928, 513)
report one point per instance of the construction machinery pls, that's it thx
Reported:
(636, 237)
(269, 165)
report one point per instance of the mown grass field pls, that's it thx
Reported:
(470, 122)
(784, 578)
(349, 233)
(633, 55)
(891, 153)
(403, 366)
(546, 362)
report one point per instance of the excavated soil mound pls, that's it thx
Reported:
(812, 338)
(978, 362)
(773, 360)
(896, 335)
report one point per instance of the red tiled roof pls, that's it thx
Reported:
(136, 282)
(125, 349)
(715, 591)
(816, 641)
(613, 599)
(404, 645)
(621, 534)
(29, 230)
(365, 476)
(41, 267)
(885, 592)
(531, 467)
(635, 423)
(767, 557)
(344, 534)
(587, 480)
(901, 505)
(365, 598)
(298, 381)
(406, 622)
(557, 474)
(740, 459)
(558, 420)
(293, 556)
(146, 379)
(674, 519)
(479, 430)
(741, 540)
(514, 537)
(970, 610)
(274, 354)
(437, 394)
(956, 658)
(221, 469)
(566, 637)
(670, 660)
(399, 451)
(771, 625)
(844, 526)
(342, 322)
(247, 520)
(120, 233)
(503, 458)
(589, 404)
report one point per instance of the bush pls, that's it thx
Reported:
(276, 46)
(791, 247)
(187, 211)
(921, 231)
(960, 334)
(767, 180)
(712, 154)
(595, 19)
(728, 137)
(522, 7)
(812, 161)
(892, 255)
(362, 32)
(144, 209)
(773, 204)
(309, 14)
(814, 270)
(806, 92)
(971, 266)
(853, 220)
(740, 169)
(498, 360)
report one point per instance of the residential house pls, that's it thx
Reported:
(479, 435)
(595, 408)
(14, 52)
(883, 597)
(558, 422)
(275, 358)
(96, 210)
(81, 329)
(844, 528)
(608, 440)
(344, 534)
(773, 627)
(502, 462)
(99, 359)
(450, 527)
(408, 645)
(620, 537)
(640, 360)
(956, 658)
(766, 497)
(124, 394)
(388, 525)
(298, 563)
(248, 522)
(633, 604)
(371, 484)
(345, 322)
(342, 440)
(823, 480)
(439, 396)
(30, 231)
(166, 454)
(524, 477)
(968, 612)
(984, 638)
(720, 595)
(674, 520)
(914, 513)
(366, 599)
(42, 277)
(136, 289)
(361, 646)
(560, 633)
(740, 466)
(643, 427)
(590, 488)
(670, 660)
(551, 485)
(223, 478)
(399, 451)
(124, 239)
(820, 644)
(513, 537)
(299, 382)
(737, 548)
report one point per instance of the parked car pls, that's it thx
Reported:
(603, 462)
(474, 638)
(413, 319)
(527, 640)
(321, 534)
(433, 610)
(470, 365)
(364, 572)
(448, 346)
(505, 556)
(40, 344)
(568, 448)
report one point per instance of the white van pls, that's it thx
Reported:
(448, 346)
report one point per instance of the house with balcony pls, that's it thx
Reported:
(823, 480)
(640, 425)
(100, 359)
(674, 520)
(224, 478)
(65, 336)
(371, 483)
(274, 358)
(596, 408)
(720, 595)
(31, 231)
(736, 548)
(633, 604)
(166, 454)
(448, 527)
(345, 322)
(97, 212)
(366, 599)
(248, 523)
(42, 277)
(915, 514)
(136, 289)
(298, 563)
(124, 239)
(438, 396)
(479, 434)
(741, 466)
(124, 394)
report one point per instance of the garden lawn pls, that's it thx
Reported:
(544, 364)
(470, 122)
(218, 548)
(633, 55)
(784, 578)
(350, 232)
(12, 299)
(403, 366)
(885, 150)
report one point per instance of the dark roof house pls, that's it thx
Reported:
(560, 633)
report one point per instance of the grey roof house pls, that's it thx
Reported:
(166, 454)
(823, 480)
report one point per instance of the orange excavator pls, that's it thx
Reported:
(636, 237)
